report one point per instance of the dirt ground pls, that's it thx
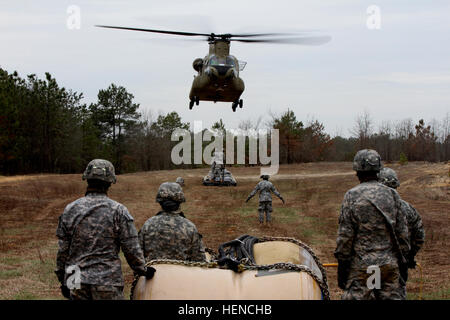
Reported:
(30, 207)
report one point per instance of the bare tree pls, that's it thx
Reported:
(248, 124)
(363, 129)
(383, 140)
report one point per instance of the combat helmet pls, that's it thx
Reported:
(180, 181)
(367, 160)
(170, 191)
(99, 169)
(389, 178)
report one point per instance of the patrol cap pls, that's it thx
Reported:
(100, 169)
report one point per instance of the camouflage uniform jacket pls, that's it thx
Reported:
(416, 231)
(364, 238)
(265, 189)
(91, 232)
(169, 235)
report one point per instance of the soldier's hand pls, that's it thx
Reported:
(343, 270)
(412, 264)
(149, 272)
(65, 291)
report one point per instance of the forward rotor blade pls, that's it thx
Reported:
(181, 33)
(313, 41)
(248, 35)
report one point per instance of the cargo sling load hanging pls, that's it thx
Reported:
(283, 269)
(218, 175)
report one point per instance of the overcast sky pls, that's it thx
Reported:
(401, 70)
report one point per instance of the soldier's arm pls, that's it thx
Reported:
(417, 231)
(253, 192)
(129, 241)
(198, 249)
(142, 240)
(344, 242)
(346, 231)
(401, 226)
(63, 250)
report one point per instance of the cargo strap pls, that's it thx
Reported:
(240, 251)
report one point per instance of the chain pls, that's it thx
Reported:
(304, 246)
(183, 263)
(173, 262)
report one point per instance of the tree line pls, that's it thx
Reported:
(47, 128)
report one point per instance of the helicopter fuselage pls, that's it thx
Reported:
(217, 84)
(218, 75)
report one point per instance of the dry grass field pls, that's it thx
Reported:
(30, 207)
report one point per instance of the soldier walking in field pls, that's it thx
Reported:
(91, 231)
(168, 234)
(265, 188)
(372, 233)
(416, 231)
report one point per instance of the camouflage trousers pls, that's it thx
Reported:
(390, 286)
(97, 292)
(265, 207)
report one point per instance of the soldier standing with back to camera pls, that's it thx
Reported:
(372, 232)
(265, 188)
(168, 234)
(416, 231)
(91, 231)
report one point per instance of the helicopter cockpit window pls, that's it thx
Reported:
(216, 61)
(229, 61)
(213, 61)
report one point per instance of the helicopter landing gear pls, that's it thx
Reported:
(191, 104)
(237, 103)
(197, 100)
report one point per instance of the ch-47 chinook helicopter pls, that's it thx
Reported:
(218, 72)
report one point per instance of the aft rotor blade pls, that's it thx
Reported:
(314, 41)
(181, 33)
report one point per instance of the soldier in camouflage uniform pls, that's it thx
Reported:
(168, 234)
(416, 231)
(218, 167)
(372, 232)
(265, 188)
(91, 231)
(180, 181)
